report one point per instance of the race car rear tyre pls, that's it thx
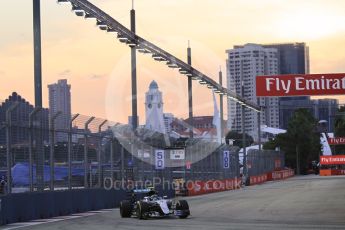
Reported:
(125, 209)
(182, 205)
(142, 209)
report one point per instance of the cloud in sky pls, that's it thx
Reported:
(65, 72)
(97, 76)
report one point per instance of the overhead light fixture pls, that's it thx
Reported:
(143, 50)
(122, 38)
(183, 71)
(131, 43)
(171, 64)
(202, 82)
(79, 13)
(111, 30)
(195, 78)
(157, 57)
(102, 25)
(89, 16)
(63, 1)
(77, 10)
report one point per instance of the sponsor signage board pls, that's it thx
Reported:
(300, 85)
(332, 160)
(177, 154)
(336, 141)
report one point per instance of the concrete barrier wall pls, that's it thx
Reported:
(332, 172)
(271, 176)
(30, 206)
(282, 174)
(253, 180)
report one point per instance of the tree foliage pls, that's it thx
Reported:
(237, 137)
(339, 130)
(301, 137)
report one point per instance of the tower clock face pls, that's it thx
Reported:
(149, 106)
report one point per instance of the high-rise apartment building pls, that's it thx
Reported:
(60, 101)
(293, 59)
(244, 63)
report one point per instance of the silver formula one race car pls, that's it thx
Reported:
(152, 205)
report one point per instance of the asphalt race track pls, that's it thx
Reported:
(308, 202)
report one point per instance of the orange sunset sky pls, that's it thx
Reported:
(98, 66)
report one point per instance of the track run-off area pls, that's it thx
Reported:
(304, 202)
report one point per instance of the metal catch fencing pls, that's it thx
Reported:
(264, 161)
(41, 151)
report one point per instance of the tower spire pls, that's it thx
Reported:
(132, 4)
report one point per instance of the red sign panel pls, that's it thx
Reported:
(336, 141)
(202, 187)
(332, 160)
(188, 165)
(300, 85)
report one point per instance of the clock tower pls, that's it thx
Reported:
(154, 109)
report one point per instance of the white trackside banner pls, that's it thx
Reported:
(226, 159)
(159, 159)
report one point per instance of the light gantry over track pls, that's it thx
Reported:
(105, 22)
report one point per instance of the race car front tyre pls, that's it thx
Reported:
(182, 205)
(142, 209)
(125, 209)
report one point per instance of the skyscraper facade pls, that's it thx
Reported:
(244, 63)
(293, 59)
(60, 101)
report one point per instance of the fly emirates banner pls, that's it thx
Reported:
(300, 85)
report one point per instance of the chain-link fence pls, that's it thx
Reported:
(41, 151)
(264, 161)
